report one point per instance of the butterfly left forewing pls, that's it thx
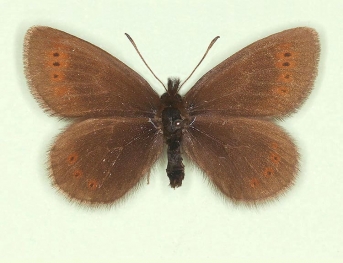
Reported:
(248, 160)
(98, 161)
(70, 77)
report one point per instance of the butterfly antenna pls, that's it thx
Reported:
(139, 53)
(208, 49)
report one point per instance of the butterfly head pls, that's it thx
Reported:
(171, 97)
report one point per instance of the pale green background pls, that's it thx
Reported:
(157, 224)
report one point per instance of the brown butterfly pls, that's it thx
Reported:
(224, 123)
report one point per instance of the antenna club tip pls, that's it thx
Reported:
(128, 36)
(215, 39)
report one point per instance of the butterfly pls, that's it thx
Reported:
(225, 123)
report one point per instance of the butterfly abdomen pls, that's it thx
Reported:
(172, 131)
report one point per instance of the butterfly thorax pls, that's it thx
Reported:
(173, 123)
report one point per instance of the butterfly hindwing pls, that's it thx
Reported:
(100, 160)
(248, 160)
(73, 78)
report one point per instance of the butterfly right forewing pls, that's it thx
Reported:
(269, 78)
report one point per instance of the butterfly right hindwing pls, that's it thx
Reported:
(247, 160)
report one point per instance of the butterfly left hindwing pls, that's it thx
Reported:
(100, 160)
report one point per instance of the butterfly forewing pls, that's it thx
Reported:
(248, 160)
(100, 160)
(269, 78)
(72, 78)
